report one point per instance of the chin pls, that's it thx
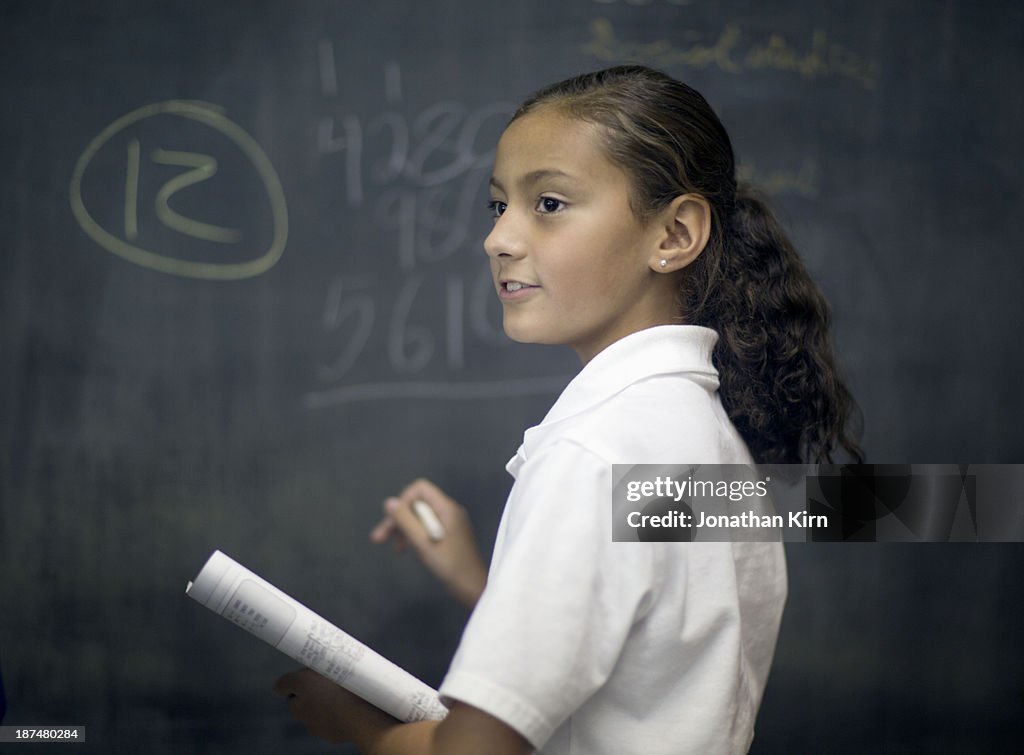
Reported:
(518, 337)
(521, 334)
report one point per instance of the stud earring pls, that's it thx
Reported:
(663, 263)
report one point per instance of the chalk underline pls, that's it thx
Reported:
(347, 394)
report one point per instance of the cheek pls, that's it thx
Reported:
(584, 289)
(613, 267)
(588, 268)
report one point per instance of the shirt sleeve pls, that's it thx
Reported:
(560, 600)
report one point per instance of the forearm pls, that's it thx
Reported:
(336, 715)
(384, 736)
(466, 731)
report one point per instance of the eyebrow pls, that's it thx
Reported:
(533, 177)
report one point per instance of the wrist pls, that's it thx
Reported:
(467, 588)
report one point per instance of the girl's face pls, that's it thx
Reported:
(571, 262)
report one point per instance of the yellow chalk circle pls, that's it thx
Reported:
(203, 167)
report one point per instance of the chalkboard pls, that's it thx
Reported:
(243, 299)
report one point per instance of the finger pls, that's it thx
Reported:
(383, 530)
(444, 507)
(426, 490)
(386, 526)
(394, 532)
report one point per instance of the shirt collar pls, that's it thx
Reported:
(654, 351)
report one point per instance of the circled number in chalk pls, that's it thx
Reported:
(187, 168)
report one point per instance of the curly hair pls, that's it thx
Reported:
(779, 382)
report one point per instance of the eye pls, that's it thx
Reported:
(548, 205)
(497, 208)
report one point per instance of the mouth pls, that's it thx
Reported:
(512, 289)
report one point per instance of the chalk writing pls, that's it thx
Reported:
(201, 167)
(805, 181)
(328, 77)
(412, 341)
(447, 128)
(425, 324)
(131, 192)
(204, 167)
(349, 301)
(423, 175)
(734, 54)
(447, 390)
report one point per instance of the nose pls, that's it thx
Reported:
(504, 240)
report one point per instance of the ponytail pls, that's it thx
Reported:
(779, 382)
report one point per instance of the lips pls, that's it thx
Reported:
(511, 289)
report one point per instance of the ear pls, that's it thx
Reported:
(683, 229)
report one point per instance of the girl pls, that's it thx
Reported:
(619, 230)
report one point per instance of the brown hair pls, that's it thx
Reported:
(779, 380)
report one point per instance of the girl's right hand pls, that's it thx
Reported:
(455, 558)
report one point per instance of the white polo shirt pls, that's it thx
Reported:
(586, 646)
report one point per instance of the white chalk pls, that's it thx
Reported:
(428, 518)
